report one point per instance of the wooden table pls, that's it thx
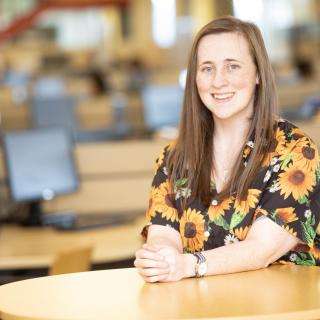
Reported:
(278, 292)
(23, 248)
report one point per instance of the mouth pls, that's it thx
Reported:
(223, 97)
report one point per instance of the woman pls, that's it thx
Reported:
(240, 188)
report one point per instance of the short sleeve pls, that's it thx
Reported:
(162, 208)
(291, 197)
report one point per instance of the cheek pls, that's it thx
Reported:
(245, 81)
(202, 83)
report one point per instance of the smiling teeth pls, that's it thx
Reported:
(222, 95)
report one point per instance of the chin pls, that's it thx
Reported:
(222, 114)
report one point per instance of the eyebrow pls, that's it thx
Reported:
(226, 60)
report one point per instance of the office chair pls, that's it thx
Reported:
(76, 260)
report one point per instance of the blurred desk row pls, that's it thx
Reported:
(37, 247)
(115, 177)
(118, 114)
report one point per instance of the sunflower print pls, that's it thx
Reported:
(164, 202)
(297, 133)
(296, 181)
(306, 156)
(192, 230)
(171, 145)
(240, 233)
(246, 152)
(285, 154)
(286, 214)
(315, 251)
(292, 147)
(284, 191)
(160, 159)
(151, 212)
(260, 212)
(215, 211)
(289, 230)
(243, 206)
(277, 145)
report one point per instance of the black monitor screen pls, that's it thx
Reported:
(40, 164)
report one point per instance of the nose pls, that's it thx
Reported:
(219, 78)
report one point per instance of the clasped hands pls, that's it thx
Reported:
(160, 263)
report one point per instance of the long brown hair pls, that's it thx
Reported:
(191, 156)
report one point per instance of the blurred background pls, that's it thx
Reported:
(104, 53)
(97, 85)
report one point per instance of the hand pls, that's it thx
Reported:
(160, 263)
(150, 264)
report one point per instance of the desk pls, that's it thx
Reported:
(22, 247)
(278, 292)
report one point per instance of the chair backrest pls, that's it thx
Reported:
(76, 260)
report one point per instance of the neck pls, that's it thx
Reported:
(230, 132)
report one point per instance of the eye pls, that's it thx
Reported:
(232, 67)
(207, 69)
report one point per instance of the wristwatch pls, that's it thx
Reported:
(201, 266)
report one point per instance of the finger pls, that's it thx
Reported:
(151, 272)
(147, 263)
(146, 254)
(151, 247)
(159, 278)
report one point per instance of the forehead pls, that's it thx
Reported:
(222, 46)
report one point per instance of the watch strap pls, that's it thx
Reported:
(201, 259)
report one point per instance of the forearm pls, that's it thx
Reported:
(162, 241)
(265, 243)
(164, 236)
(241, 256)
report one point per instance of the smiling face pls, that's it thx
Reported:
(226, 75)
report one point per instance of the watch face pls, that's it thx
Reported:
(202, 269)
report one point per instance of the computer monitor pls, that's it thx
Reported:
(60, 112)
(40, 166)
(54, 112)
(49, 87)
(162, 106)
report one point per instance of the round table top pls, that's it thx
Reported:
(277, 292)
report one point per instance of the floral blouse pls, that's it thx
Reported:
(286, 190)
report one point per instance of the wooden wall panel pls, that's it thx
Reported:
(117, 157)
(106, 196)
(15, 118)
(94, 113)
